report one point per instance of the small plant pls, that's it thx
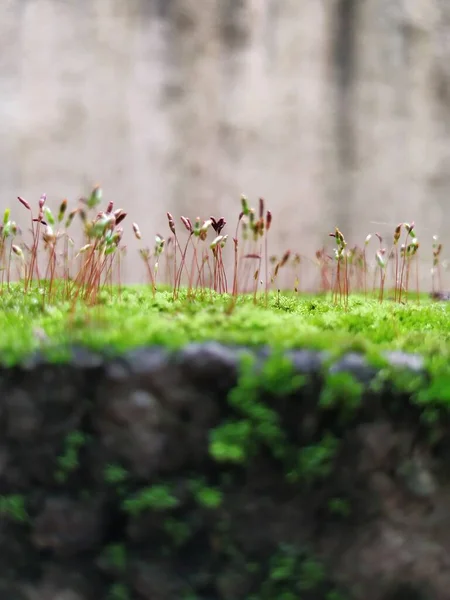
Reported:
(279, 265)
(115, 474)
(278, 377)
(119, 591)
(206, 496)
(259, 420)
(407, 252)
(394, 252)
(341, 390)
(339, 507)
(341, 256)
(178, 531)
(156, 497)
(292, 573)
(12, 507)
(311, 574)
(69, 460)
(366, 243)
(436, 272)
(115, 556)
(231, 442)
(217, 246)
(316, 461)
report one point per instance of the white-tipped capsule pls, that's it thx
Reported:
(206, 225)
(216, 241)
(83, 249)
(380, 259)
(49, 235)
(137, 231)
(18, 251)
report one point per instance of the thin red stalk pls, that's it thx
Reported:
(223, 272)
(53, 269)
(403, 266)
(9, 265)
(236, 261)
(266, 266)
(180, 269)
(28, 272)
(200, 283)
(235, 286)
(150, 274)
(382, 280)
(346, 282)
(193, 265)
(34, 255)
(396, 290)
(417, 278)
(408, 272)
(177, 274)
(119, 274)
(257, 276)
(66, 265)
(2, 260)
(255, 285)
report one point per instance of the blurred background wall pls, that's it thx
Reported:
(336, 111)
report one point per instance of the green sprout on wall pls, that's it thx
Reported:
(12, 507)
(158, 498)
(68, 461)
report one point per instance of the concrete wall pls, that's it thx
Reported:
(336, 111)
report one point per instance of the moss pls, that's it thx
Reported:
(116, 476)
(115, 555)
(119, 591)
(146, 320)
(256, 423)
(13, 508)
(205, 495)
(339, 507)
(291, 573)
(68, 461)
(178, 531)
(155, 497)
(209, 497)
(341, 390)
(294, 573)
(315, 461)
(336, 595)
(231, 442)
(277, 376)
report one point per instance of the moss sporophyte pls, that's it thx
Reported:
(54, 292)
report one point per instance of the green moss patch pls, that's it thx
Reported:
(136, 317)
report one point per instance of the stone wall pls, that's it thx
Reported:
(219, 474)
(337, 111)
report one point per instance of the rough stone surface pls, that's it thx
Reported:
(101, 481)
